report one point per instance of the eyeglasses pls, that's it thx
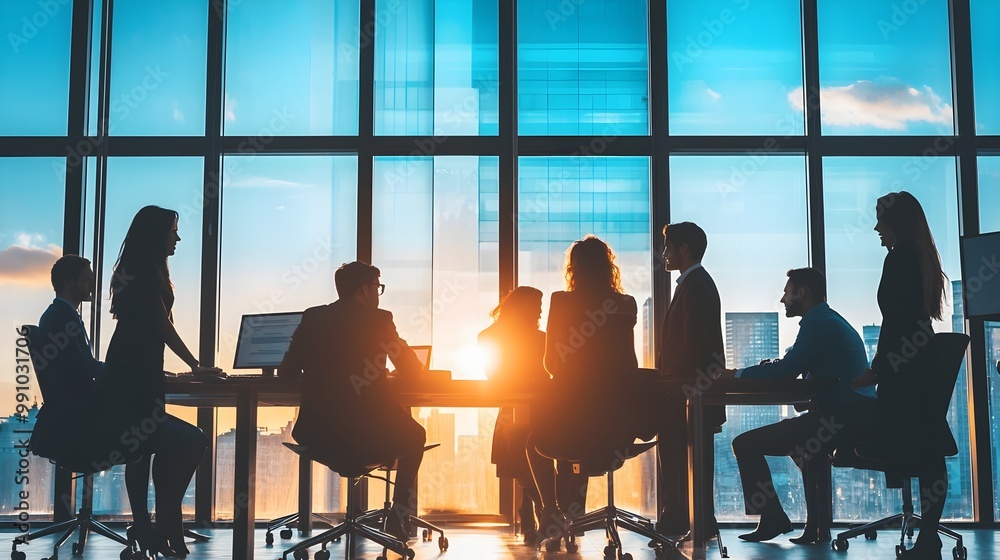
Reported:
(381, 287)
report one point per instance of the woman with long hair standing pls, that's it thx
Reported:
(141, 301)
(514, 348)
(590, 352)
(910, 295)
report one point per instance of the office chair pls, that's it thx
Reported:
(284, 522)
(84, 521)
(370, 524)
(610, 517)
(947, 350)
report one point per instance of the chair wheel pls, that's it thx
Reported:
(285, 534)
(900, 549)
(725, 552)
(443, 543)
(77, 549)
(322, 555)
(269, 539)
(18, 555)
(336, 539)
(552, 545)
(610, 552)
(301, 555)
(409, 553)
(871, 535)
(425, 535)
(841, 545)
(572, 547)
(960, 553)
(626, 556)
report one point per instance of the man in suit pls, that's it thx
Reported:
(827, 347)
(66, 369)
(347, 412)
(691, 346)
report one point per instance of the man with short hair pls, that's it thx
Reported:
(347, 410)
(826, 347)
(691, 347)
(66, 369)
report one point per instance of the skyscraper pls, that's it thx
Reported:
(648, 358)
(750, 338)
(871, 333)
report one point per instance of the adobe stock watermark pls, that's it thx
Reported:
(900, 13)
(33, 25)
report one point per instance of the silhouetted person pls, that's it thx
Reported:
(590, 352)
(514, 348)
(132, 397)
(691, 347)
(347, 409)
(826, 347)
(67, 371)
(909, 296)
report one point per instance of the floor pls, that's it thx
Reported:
(496, 544)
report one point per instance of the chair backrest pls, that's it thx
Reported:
(947, 350)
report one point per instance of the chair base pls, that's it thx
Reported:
(350, 528)
(284, 523)
(83, 522)
(907, 522)
(376, 518)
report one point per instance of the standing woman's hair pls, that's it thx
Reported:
(144, 247)
(591, 268)
(902, 213)
(521, 305)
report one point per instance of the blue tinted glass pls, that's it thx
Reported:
(735, 67)
(986, 64)
(885, 67)
(292, 68)
(989, 194)
(404, 67)
(34, 67)
(582, 67)
(158, 59)
(854, 260)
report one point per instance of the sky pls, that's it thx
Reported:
(734, 68)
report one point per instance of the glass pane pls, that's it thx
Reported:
(582, 67)
(562, 199)
(288, 222)
(291, 67)
(158, 58)
(854, 265)
(992, 368)
(31, 230)
(35, 68)
(725, 76)
(885, 67)
(435, 228)
(436, 67)
(985, 66)
(169, 182)
(742, 202)
(989, 194)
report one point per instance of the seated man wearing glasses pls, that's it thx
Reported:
(347, 411)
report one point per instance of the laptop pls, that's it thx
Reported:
(423, 354)
(263, 340)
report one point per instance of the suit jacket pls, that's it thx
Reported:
(340, 350)
(67, 376)
(692, 343)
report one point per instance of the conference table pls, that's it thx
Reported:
(247, 393)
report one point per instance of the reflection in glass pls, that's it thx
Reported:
(883, 70)
(985, 69)
(854, 267)
(562, 199)
(291, 68)
(34, 68)
(158, 59)
(436, 67)
(31, 232)
(992, 359)
(582, 70)
(435, 240)
(726, 76)
(754, 212)
(989, 194)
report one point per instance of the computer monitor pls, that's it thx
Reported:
(423, 354)
(981, 277)
(264, 338)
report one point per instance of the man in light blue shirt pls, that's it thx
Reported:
(827, 347)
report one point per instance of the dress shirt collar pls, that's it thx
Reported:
(816, 310)
(686, 272)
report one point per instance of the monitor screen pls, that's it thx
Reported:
(423, 354)
(981, 275)
(264, 339)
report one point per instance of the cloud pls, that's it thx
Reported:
(263, 182)
(230, 108)
(713, 94)
(178, 114)
(26, 264)
(888, 105)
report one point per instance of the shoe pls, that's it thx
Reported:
(397, 524)
(551, 529)
(770, 526)
(929, 549)
(811, 535)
